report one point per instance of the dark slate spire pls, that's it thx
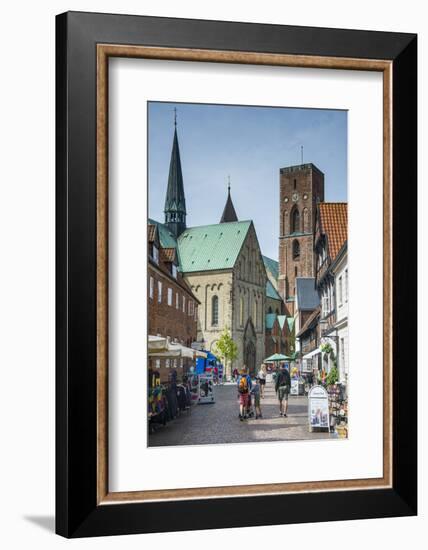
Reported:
(175, 202)
(229, 214)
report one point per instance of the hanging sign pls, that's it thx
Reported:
(318, 408)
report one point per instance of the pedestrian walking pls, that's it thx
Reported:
(256, 392)
(235, 374)
(244, 388)
(262, 380)
(282, 387)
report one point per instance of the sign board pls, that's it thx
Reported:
(206, 389)
(318, 408)
(294, 389)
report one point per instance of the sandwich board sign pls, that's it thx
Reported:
(318, 408)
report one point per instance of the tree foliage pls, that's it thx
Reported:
(225, 348)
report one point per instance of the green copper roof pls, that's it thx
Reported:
(272, 266)
(211, 247)
(271, 291)
(270, 320)
(167, 239)
(281, 320)
(290, 321)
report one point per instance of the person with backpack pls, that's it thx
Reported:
(282, 388)
(244, 388)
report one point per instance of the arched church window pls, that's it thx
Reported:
(295, 221)
(255, 313)
(241, 311)
(214, 310)
(270, 310)
(296, 250)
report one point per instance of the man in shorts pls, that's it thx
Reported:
(282, 388)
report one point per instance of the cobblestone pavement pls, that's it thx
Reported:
(219, 422)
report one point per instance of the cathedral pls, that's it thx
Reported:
(223, 266)
(235, 287)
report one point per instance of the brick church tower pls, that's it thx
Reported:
(300, 189)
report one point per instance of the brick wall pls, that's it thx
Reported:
(301, 187)
(170, 320)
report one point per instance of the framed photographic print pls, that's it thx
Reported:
(236, 248)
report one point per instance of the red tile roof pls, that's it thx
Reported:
(334, 223)
(167, 254)
(152, 232)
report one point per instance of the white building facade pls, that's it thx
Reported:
(341, 283)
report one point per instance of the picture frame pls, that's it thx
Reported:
(84, 44)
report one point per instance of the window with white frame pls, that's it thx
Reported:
(191, 307)
(177, 300)
(155, 254)
(340, 291)
(346, 285)
(151, 288)
(184, 304)
(174, 271)
(158, 363)
(159, 291)
(170, 296)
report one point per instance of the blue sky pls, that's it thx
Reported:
(250, 144)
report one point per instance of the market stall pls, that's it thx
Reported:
(175, 393)
(338, 409)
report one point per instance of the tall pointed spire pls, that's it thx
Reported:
(229, 213)
(175, 201)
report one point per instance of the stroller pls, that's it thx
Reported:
(250, 411)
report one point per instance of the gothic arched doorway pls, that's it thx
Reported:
(250, 348)
(250, 357)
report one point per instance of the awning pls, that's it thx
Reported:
(311, 354)
(160, 348)
(157, 344)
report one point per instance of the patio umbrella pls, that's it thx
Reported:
(276, 358)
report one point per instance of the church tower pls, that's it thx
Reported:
(229, 212)
(301, 188)
(175, 201)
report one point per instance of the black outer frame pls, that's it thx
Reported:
(77, 513)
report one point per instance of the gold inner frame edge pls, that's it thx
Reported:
(104, 52)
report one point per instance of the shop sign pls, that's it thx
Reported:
(318, 408)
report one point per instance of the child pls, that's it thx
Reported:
(256, 393)
(244, 388)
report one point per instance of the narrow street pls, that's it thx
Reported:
(219, 422)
